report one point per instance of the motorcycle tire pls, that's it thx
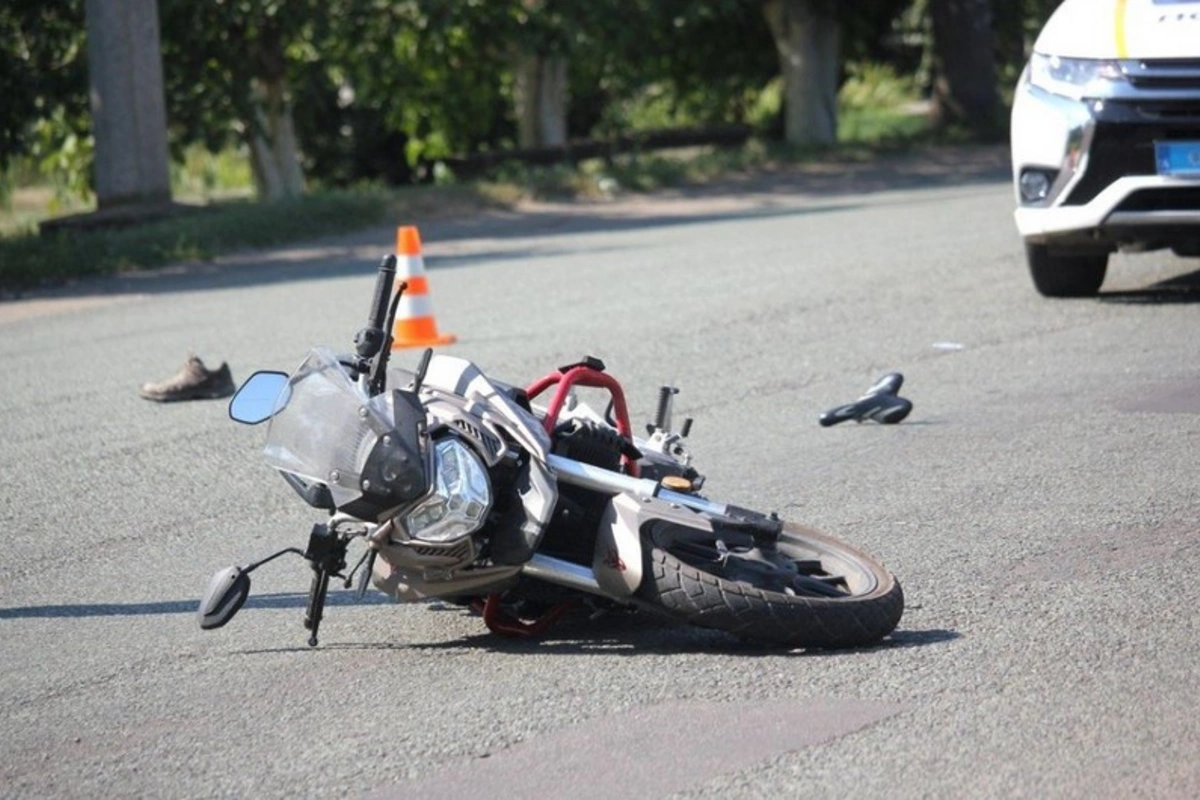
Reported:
(689, 585)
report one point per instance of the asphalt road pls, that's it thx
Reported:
(1041, 507)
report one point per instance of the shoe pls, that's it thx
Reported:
(194, 381)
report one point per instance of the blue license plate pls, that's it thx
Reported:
(1177, 158)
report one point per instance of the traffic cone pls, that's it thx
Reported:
(414, 325)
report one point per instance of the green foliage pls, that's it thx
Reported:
(877, 106)
(383, 89)
(767, 108)
(881, 126)
(872, 85)
(64, 156)
(872, 31)
(202, 175)
(698, 62)
(44, 115)
(43, 71)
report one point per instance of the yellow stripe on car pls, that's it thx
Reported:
(1122, 48)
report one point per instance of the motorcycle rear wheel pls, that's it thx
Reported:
(807, 590)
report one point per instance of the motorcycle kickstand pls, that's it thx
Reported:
(316, 603)
(327, 556)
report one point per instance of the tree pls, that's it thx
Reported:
(964, 88)
(812, 39)
(807, 38)
(128, 113)
(43, 83)
(540, 76)
(227, 69)
(658, 63)
(1016, 25)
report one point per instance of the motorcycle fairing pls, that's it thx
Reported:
(458, 377)
(368, 452)
(617, 562)
(516, 538)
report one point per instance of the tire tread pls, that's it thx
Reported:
(706, 600)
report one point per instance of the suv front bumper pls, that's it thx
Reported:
(1099, 156)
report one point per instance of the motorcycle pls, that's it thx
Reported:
(462, 488)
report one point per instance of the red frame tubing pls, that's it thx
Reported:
(594, 378)
(502, 623)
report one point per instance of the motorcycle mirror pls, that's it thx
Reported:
(227, 591)
(261, 396)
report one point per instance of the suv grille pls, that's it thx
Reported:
(1165, 74)
(1169, 111)
(1117, 151)
(1124, 137)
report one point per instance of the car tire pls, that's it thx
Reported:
(1056, 275)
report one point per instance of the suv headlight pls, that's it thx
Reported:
(460, 500)
(1074, 77)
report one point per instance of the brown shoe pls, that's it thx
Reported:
(194, 381)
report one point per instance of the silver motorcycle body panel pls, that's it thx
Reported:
(461, 379)
(618, 563)
(409, 585)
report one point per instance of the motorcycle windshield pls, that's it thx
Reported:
(328, 426)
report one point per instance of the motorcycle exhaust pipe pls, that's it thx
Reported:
(563, 573)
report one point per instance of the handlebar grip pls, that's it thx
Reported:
(383, 292)
(370, 339)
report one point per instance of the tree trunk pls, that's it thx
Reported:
(274, 154)
(540, 94)
(964, 86)
(129, 117)
(1008, 23)
(806, 37)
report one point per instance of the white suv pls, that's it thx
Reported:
(1106, 139)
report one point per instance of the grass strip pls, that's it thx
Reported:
(29, 260)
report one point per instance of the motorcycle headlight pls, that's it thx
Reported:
(1074, 77)
(460, 500)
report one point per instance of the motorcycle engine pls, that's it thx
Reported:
(589, 443)
(577, 515)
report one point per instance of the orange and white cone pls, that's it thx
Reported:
(414, 325)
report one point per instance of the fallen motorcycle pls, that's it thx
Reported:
(462, 488)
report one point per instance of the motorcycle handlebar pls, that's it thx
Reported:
(370, 338)
(383, 291)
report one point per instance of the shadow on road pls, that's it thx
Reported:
(634, 634)
(280, 600)
(1180, 289)
(351, 256)
(615, 633)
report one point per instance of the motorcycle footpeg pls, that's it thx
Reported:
(880, 403)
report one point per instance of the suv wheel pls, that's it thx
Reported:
(1056, 275)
